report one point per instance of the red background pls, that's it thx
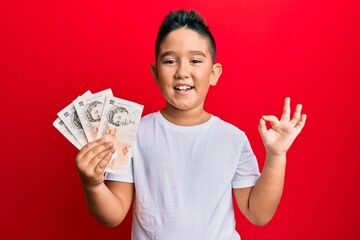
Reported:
(52, 51)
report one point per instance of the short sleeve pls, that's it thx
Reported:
(122, 178)
(247, 172)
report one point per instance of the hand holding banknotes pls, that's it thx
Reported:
(92, 161)
(93, 122)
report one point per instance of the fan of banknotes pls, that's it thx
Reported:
(92, 116)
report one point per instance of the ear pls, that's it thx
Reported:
(154, 73)
(215, 73)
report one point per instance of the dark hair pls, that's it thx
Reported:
(121, 122)
(185, 19)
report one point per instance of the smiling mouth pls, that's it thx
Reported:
(183, 88)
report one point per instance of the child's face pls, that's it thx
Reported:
(184, 69)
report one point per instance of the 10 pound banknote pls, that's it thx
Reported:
(119, 123)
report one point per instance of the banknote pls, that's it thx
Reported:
(71, 119)
(59, 125)
(119, 123)
(89, 109)
(102, 115)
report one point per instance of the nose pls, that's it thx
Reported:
(182, 71)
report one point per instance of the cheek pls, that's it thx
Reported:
(203, 72)
(202, 78)
(165, 71)
(165, 83)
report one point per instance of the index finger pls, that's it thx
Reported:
(286, 110)
(90, 146)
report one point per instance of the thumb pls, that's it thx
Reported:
(271, 119)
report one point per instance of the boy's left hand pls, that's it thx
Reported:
(281, 135)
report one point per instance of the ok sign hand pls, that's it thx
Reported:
(281, 135)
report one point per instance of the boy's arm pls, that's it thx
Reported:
(108, 201)
(260, 202)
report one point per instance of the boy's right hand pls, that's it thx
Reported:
(92, 160)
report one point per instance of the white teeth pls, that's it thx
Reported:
(182, 88)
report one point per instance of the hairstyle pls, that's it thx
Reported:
(185, 19)
(119, 122)
(76, 120)
(89, 110)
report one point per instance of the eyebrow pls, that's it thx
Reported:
(194, 52)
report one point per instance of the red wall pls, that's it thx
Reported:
(52, 51)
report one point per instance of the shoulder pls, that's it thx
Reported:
(147, 123)
(227, 127)
(148, 119)
(228, 133)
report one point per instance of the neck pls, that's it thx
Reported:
(190, 117)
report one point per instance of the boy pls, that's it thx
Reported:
(187, 162)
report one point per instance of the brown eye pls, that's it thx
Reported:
(170, 62)
(196, 61)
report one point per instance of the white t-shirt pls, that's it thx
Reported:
(184, 177)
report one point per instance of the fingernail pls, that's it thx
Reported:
(107, 156)
(110, 144)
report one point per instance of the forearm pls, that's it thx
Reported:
(266, 194)
(104, 205)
